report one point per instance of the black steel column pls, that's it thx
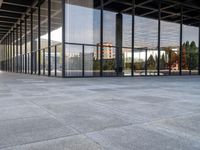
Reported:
(20, 46)
(170, 59)
(10, 34)
(63, 38)
(101, 40)
(14, 50)
(31, 41)
(133, 38)
(118, 41)
(55, 61)
(34, 55)
(190, 70)
(28, 63)
(159, 19)
(199, 51)
(17, 67)
(181, 45)
(39, 44)
(43, 61)
(10, 51)
(25, 44)
(7, 54)
(49, 37)
(83, 60)
(146, 51)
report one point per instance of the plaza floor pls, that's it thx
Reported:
(141, 113)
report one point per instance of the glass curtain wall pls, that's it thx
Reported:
(82, 27)
(23, 46)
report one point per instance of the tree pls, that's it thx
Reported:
(162, 62)
(193, 57)
(151, 63)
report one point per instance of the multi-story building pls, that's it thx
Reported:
(108, 51)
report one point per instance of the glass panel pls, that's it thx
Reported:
(139, 61)
(190, 50)
(53, 67)
(44, 34)
(56, 22)
(146, 40)
(91, 61)
(74, 60)
(127, 61)
(28, 34)
(59, 60)
(35, 40)
(127, 43)
(83, 30)
(44, 24)
(170, 44)
(152, 59)
(109, 43)
(41, 62)
(46, 61)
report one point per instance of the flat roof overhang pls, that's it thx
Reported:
(11, 11)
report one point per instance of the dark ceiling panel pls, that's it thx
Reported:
(10, 12)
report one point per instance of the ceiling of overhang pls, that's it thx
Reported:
(12, 10)
(149, 8)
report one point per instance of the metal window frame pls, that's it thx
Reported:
(199, 52)
(49, 37)
(63, 38)
(133, 38)
(13, 50)
(21, 46)
(181, 42)
(159, 35)
(31, 15)
(39, 42)
(17, 49)
(25, 20)
(101, 37)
